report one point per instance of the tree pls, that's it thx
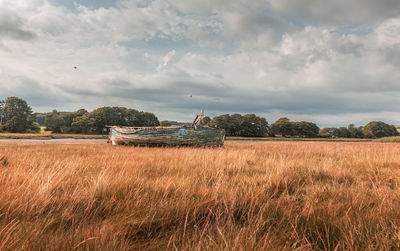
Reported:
(329, 132)
(248, 125)
(344, 132)
(68, 118)
(149, 119)
(16, 116)
(54, 122)
(2, 114)
(378, 129)
(355, 132)
(83, 124)
(206, 120)
(222, 121)
(283, 127)
(165, 123)
(97, 120)
(305, 129)
(253, 126)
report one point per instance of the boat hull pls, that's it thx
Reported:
(167, 136)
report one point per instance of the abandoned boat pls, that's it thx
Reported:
(194, 135)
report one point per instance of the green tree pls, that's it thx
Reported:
(68, 118)
(83, 124)
(248, 125)
(54, 122)
(344, 132)
(355, 132)
(378, 129)
(16, 116)
(2, 114)
(223, 122)
(253, 126)
(97, 120)
(330, 132)
(149, 119)
(305, 129)
(282, 127)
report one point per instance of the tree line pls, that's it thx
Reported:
(254, 126)
(95, 122)
(17, 116)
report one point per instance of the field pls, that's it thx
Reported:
(244, 196)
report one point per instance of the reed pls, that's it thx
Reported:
(244, 196)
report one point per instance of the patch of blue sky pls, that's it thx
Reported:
(356, 29)
(90, 4)
(285, 20)
(161, 46)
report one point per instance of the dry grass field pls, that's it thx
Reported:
(244, 196)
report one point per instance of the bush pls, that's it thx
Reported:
(248, 125)
(379, 129)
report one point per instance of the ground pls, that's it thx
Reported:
(255, 196)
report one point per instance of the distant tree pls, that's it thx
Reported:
(222, 121)
(54, 122)
(236, 127)
(16, 116)
(282, 127)
(378, 129)
(206, 120)
(98, 119)
(248, 125)
(329, 132)
(40, 117)
(149, 119)
(355, 132)
(253, 126)
(2, 114)
(83, 124)
(69, 117)
(305, 129)
(165, 123)
(344, 132)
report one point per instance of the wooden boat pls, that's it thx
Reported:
(194, 135)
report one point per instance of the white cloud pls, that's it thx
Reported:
(338, 12)
(166, 60)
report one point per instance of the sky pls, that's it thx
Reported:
(333, 62)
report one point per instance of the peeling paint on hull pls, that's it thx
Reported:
(167, 136)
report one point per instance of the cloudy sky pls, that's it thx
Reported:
(333, 62)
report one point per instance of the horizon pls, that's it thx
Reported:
(333, 63)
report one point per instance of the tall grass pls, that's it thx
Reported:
(393, 139)
(245, 196)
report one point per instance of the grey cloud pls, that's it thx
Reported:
(35, 93)
(224, 98)
(338, 12)
(12, 26)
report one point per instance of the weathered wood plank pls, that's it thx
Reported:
(173, 136)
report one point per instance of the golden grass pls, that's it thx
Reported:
(393, 139)
(299, 139)
(245, 196)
